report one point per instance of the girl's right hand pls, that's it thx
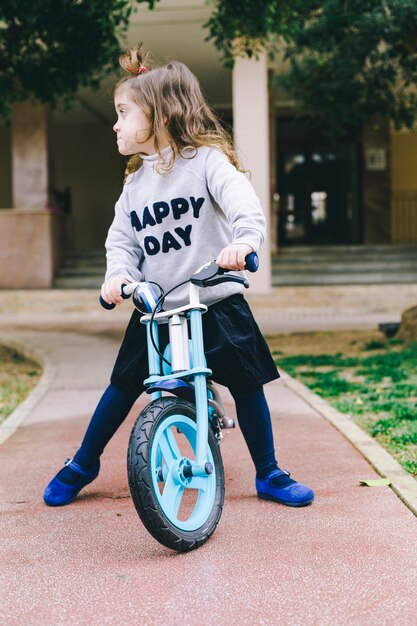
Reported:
(111, 290)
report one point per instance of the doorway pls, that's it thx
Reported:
(318, 187)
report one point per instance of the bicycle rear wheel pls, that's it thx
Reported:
(180, 512)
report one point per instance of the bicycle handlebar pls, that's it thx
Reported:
(209, 275)
(252, 262)
(109, 305)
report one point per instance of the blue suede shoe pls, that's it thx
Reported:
(58, 493)
(285, 490)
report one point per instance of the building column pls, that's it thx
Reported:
(251, 135)
(29, 156)
(32, 238)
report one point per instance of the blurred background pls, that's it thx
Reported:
(321, 101)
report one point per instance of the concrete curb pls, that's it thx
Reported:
(404, 485)
(18, 416)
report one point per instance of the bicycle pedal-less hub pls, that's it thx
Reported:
(184, 471)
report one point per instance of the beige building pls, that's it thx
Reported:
(60, 173)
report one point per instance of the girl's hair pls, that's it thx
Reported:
(171, 98)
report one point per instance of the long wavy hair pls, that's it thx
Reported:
(171, 98)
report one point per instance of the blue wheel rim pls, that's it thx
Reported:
(169, 491)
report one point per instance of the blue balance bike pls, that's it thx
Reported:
(175, 468)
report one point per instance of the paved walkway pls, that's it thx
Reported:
(350, 558)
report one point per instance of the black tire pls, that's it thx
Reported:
(142, 486)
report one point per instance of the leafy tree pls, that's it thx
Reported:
(244, 27)
(50, 48)
(348, 60)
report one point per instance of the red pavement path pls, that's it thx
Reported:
(350, 558)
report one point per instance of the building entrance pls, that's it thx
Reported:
(318, 187)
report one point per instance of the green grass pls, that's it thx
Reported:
(378, 390)
(18, 376)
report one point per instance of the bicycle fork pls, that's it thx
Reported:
(201, 467)
(183, 369)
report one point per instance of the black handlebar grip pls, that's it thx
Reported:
(108, 305)
(252, 262)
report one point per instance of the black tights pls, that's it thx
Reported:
(252, 413)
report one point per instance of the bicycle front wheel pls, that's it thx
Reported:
(180, 512)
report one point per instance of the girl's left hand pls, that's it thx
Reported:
(233, 257)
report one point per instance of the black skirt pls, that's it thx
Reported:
(235, 349)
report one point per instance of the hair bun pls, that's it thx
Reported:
(132, 61)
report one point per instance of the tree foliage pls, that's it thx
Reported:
(50, 48)
(244, 27)
(348, 60)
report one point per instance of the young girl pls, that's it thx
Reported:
(185, 201)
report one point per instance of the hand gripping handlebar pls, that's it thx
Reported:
(209, 275)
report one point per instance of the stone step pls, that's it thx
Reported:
(284, 268)
(345, 258)
(278, 279)
(82, 270)
(344, 265)
(350, 250)
(79, 267)
(350, 262)
(93, 260)
(347, 255)
(281, 279)
(78, 282)
(334, 267)
(297, 265)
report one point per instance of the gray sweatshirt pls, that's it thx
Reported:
(166, 226)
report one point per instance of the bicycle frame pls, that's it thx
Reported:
(183, 367)
(159, 469)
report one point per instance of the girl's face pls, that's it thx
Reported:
(132, 125)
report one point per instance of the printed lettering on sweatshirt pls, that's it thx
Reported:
(154, 216)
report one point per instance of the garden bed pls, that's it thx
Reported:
(18, 376)
(364, 375)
